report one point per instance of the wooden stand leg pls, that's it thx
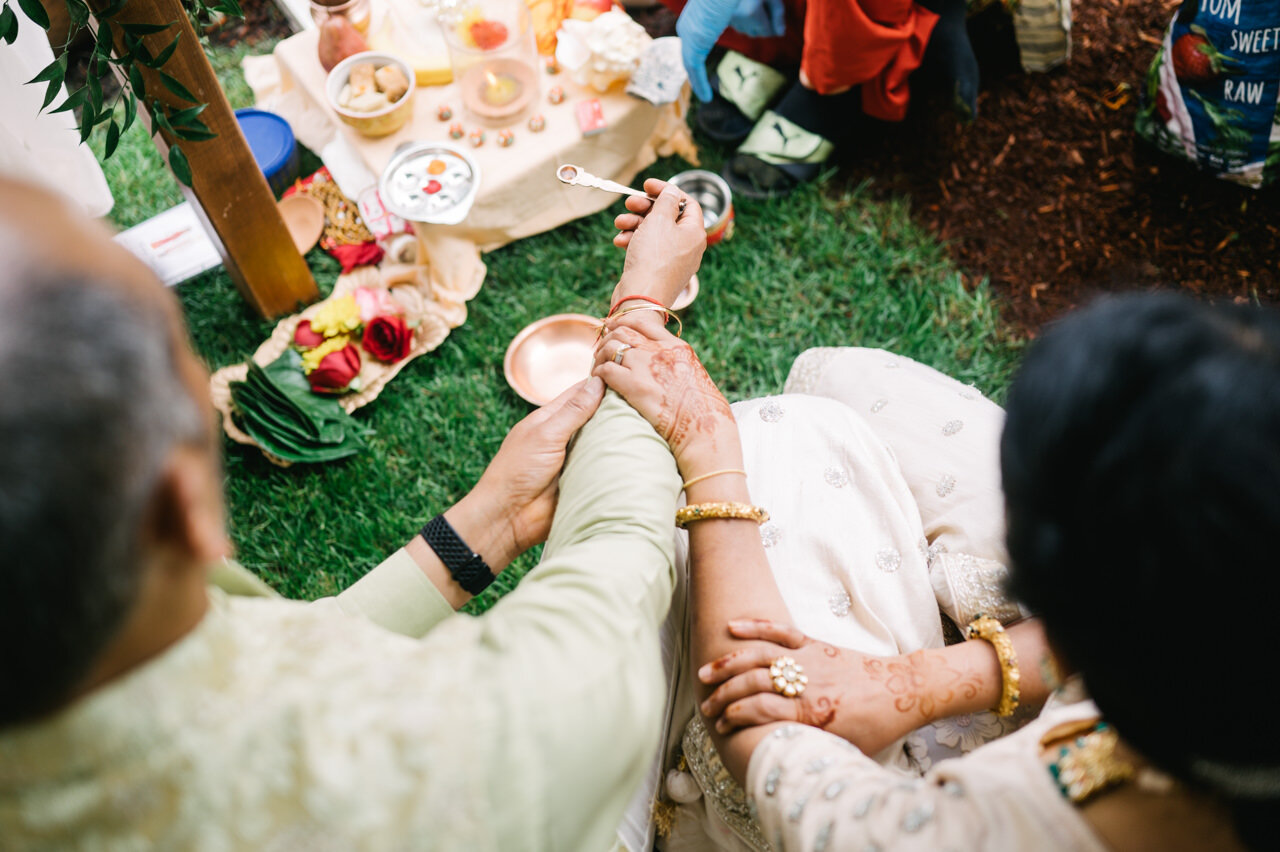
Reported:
(232, 194)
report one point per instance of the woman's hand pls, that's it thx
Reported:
(664, 246)
(661, 377)
(869, 701)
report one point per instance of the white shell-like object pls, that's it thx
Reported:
(682, 788)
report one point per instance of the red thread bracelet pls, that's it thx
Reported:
(626, 299)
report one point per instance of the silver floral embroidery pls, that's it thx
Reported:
(978, 585)
(835, 476)
(923, 546)
(951, 427)
(720, 791)
(954, 789)
(771, 412)
(888, 560)
(946, 485)
(841, 604)
(797, 810)
(878, 405)
(823, 838)
(818, 764)
(835, 788)
(863, 808)
(808, 367)
(771, 780)
(917, 818)
(769, 535)
(935, 550)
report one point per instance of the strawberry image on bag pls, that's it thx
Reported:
(1212, 95)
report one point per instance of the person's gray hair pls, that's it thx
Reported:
(91, 406)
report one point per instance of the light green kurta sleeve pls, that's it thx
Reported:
(398, 596)
(561, 688)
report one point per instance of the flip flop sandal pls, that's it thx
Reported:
(778, 156)
(744, 89)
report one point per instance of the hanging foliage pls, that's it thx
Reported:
(120, 45)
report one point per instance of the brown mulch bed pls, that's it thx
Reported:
(1053, 197)
(1049, 193)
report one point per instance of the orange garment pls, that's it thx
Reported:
(872, 43)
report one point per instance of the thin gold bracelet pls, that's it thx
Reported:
(670, 314)
(706, 476)
(988, 628)
(709, 511)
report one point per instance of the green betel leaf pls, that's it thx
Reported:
(174, 85)
(181, 168)
(113, 139)
(8, 25)
(35, 12)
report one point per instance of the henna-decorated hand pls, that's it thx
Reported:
(664, 246)
(870, 701)
(663, 379)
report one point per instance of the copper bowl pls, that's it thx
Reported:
(550, 356)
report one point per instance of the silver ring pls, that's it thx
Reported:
(617, 356)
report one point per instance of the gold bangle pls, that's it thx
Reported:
(988, 628)
(704, 476)
(708, 511)
(670, 314)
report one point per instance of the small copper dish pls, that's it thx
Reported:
(551, 355)
(687, 295)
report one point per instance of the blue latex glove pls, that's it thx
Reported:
(703, 22)
(760, 18)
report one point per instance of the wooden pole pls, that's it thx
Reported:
(232, 195)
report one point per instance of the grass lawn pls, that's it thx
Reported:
(826, 267)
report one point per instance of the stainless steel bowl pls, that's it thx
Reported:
(709, 190)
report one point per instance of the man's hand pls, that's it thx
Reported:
(518, 489)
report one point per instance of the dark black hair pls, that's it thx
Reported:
(1141, 464)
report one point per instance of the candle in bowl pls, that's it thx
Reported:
(498, 89)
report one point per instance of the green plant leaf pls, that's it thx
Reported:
(113, 139)
(136, 82)
(130, 112)
(8, 25)
(174, 85)
(188, 116)
(103, 45)
(94, 85)
(163, 56)
(181, 168)
(50, 93)
(88, 118)
(160, 118)
(229, 7)
(73, 100)
(145, 29)
(35, 12)
(55, 70)
(78, 12)
(194, 134)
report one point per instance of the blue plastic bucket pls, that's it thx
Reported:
(271, 140)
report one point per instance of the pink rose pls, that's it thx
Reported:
(376, 302)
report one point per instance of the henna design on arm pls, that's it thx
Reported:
(922, 683)
(691, 402)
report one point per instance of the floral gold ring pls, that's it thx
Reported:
(617, 356)
(788, 677)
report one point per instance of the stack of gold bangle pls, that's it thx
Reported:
(709, 511)
(988, 628)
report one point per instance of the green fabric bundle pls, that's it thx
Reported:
(276, 406)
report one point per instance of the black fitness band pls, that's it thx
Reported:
(467, 567)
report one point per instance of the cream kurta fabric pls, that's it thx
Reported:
(814, 791)
(278, 725)
(881, 476)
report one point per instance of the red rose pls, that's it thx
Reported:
(306, 338)
(387, 338)
(336, 370)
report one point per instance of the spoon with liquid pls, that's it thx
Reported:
(578, 176)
